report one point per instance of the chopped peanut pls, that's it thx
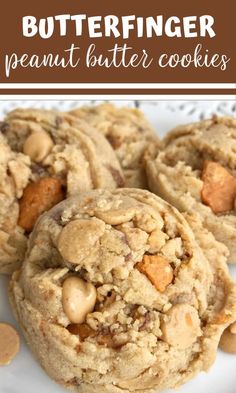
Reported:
(78, 298)
(37, 198)
(38, 145)
(158, 271)
(219, 187)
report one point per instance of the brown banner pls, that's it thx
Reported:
(190, 42)
(121, 92)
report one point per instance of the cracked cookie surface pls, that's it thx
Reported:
(118, 296)
(196, 172)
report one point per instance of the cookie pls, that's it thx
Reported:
(196, 172)
(45, 157)
(15, 173)
(116, 295)
(85, 158)
(129, 133)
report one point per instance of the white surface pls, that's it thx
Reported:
(24, 375)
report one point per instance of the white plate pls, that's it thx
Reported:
(24, 375)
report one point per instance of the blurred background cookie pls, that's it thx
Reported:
(129, 133)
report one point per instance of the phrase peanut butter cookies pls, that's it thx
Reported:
(45, 157)
(129, 133)
(196, 172)
(116, 295)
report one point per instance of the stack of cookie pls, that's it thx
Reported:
(115, 289)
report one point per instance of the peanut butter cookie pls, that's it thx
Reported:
(116, 295)
(196, 172)
(15, 174)
(44, 157)
(129, 133)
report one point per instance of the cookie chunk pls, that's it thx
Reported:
(196, 172)
(129, 133)
(45, 157)
(116, 295)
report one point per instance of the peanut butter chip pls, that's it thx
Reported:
(78, 238)
(9, 344)
(181, 326)
(37, 146)
(158, 271)
(228, 339)
(78, 299)
(37, 198)
(219, 187)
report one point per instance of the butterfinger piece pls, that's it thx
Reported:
(158, 271)
(9, 344)
(219, 187)
(37, 198)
